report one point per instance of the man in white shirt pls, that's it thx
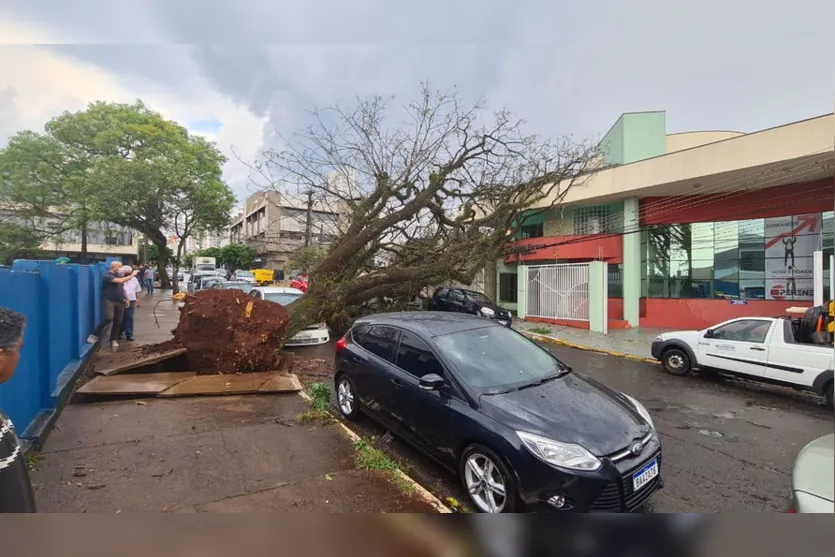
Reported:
(132, 289)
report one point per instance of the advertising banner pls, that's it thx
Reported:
(790, 243)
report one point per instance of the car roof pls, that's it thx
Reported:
(430, 323)
(278, 290)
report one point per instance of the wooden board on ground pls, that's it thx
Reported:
(119, 362)
(135, 384)
(245, 383)
(281, 383)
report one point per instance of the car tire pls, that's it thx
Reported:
(478, 457)
(676, 362)
(347, 401)
(830, 403)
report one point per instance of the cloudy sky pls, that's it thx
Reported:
(240, 70)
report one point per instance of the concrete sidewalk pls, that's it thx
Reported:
(207, 454)
(626, 343)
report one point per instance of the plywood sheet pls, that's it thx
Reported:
(281, 383)
(134, 384)
(246, 383)
(120, 362)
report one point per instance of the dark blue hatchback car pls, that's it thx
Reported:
(519, 427)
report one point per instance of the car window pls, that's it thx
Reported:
(441, 292)
(381, 341)
(359, 334)
(477, 297)
(497, 358)
(255, 294)
(744, 330)
(456, 295)
(283, 298)
(415, 357)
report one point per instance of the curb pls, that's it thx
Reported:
(567, 344)
(422, 492)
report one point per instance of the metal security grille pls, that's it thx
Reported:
(559, 291)
(592, 219)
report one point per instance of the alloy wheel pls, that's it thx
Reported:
(485, 483)
(345, 397)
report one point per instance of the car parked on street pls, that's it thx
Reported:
(242, 285)
(519, 427)
(311, 335)
(240, 275)
(763, 349)
(813, 483)
(301, 282)
(461, 300)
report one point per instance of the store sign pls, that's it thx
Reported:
(790, 244)
(512, 250)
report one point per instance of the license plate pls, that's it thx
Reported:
(303, 336)
(643, 476)
(502, 322)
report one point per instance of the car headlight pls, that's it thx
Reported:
(641, 410)
(564, 455)
(487, 312)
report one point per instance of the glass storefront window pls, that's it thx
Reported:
(751, 259)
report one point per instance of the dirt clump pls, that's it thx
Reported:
(226, 331)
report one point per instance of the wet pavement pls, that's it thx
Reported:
(728, 445)
(634, 342)
(205, 454)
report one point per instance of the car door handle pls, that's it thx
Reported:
(397, 383)
(758, 349)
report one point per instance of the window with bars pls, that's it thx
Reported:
(591, 220)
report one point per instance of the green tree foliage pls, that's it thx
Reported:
(124, 164)
(45, 182)
(306, 258)
(235, 256)
(17, 242)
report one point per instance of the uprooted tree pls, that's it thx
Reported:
(429, 200)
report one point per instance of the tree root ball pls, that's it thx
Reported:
(226, 331)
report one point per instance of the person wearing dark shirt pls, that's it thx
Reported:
(16, 495)
(114, 302)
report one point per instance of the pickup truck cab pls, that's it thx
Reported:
(760, 349)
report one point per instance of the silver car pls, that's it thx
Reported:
(813, 485)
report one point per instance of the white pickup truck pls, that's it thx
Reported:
(760, 349)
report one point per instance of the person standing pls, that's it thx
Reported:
(141, 276)
(113, 301)
(132, 290)
(149, 279)
(16, 494)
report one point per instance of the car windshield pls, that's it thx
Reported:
(477, 297)
(205, 267)
(246, 274)
(498, 359)
(283, 298)
(237, 286)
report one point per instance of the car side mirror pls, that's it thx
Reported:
(709, 333)
(431, 382)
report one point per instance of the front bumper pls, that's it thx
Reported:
(656, 349)
(608, 489)
(312, 337)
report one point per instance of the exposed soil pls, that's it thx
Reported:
(225, 331)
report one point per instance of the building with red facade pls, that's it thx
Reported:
(696, 227)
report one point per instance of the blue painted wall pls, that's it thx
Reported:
(62, 305)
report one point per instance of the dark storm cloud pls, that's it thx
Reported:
(567, 67)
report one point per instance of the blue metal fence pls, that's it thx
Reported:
(62, 305)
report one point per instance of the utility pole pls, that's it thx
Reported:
(308, 225)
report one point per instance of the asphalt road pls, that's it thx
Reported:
(728, 445)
